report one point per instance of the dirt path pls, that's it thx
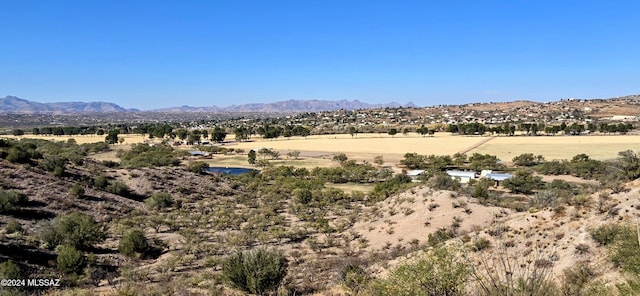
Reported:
(476, 145)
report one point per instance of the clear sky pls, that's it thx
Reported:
(151, 54)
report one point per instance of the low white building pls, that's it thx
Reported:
(462, 176)
(415, 174)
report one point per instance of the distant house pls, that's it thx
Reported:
(415, 174)
(498, 177)
(197, 153)
(462, 176)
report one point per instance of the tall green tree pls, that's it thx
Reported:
(392, 132)
(252, 156)
(218, 135)
(112, 137)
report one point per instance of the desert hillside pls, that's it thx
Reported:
(154, 222)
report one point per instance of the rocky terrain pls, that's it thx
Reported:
(210, 216)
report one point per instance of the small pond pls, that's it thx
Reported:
(229, 170)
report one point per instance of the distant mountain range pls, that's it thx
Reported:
(11, 104)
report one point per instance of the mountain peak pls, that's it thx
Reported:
(13, 104)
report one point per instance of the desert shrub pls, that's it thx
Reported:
(528, 159)
(440, 272)
(10, 270)
(75, 229)
(479, 161)
(54, 163)
(159, 201)
(625, 252)
(303, 195)
(69, 260)
(23, 151)
(256, 271)
(576, 278)
(558, 184)
(354, 277)
(95, 147)
(100, 182)
(197, 167)
(543, 199)
(523, 182)
(608, 233)
(340, 157)
(481, 190)
(584, 167)
(631, 286)
(389, 187)
(118, 188)
(76, 190)
(133, 243)
(110, 163)
(14, 227)
(442, 181)
(522, 273)
(11, 199)
(481, 244)
(49, 236)
(440, 236)
(143, 155)
(554, 167)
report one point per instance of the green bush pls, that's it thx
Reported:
(625, 252)
(481, 244)
(69, 259)
(622, 242)
(10, 270)
(576, 278)
(440, 236)
(100, 182)
(554, 167)
(256, 271)
(76, 229)
(96, 147)
(118, 188)
(390, 187)
(528, 159)
(440, 272)
(442, 181)
(354, 277)
(523, 182)
(54, 163)
(481, 191)
(143, 155)
(11, 199)
(197, 167)
(76, 190)
(159, 201)
(13, 226)
(608, 233)
(133, 243)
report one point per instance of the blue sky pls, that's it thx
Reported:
(151, 54)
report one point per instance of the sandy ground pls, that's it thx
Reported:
(413, 216)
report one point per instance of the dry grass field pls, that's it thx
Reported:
(560, 147)
(241, 161)
(367, 146)
(318, 150)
